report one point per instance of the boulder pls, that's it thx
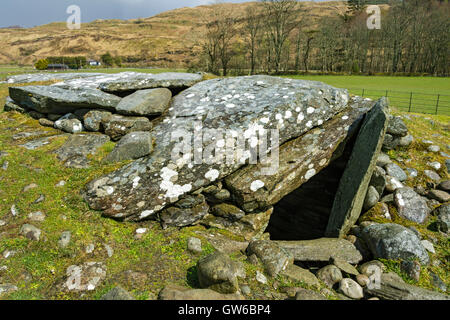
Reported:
(322, 250)
(84, 277)
(118, 126)
(395, 171)
(46, 99)
(94, 120)
(151, 102)
(393, 241)
(330, 275)
(410, 205)
(397, 127)
(132, 146)
(273, 257)
(73, 153)
(117, 293)
(355, 180)
(138, 81)
(174, 292)
(239, 106)
(295, 273)
(219, 273)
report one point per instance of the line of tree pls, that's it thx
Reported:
(277, 36)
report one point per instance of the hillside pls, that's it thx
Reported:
(168, 39)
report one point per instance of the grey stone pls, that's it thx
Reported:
(412, 173)
(84, 277)
(151, 102)
(295, 273)
(411, 268)
(432, 175)
(434, 148)
(37, 77)
(10, 105)
(378, 180)
(173, 292)
(393, 241)
(307, 295)
(118, 126)
(69, 125)
(89, 248)
(390, 142)
(273, 257)
(351, 288)
(444, 186)
(362, 280)
(94, 120)
(330, 275)
(235, 110)
(36, 216)
(391, 289)
(397, 127)
(117, 293)
(194, 245)
(344, 266)
(322, 250)
(443, 220)
(261, 278)
(395, 171)
(31, 232)
(46, 122)
(434, 165)
(447, 164)
(371, 199)
(368, 268)
(428, 246)
(227, 211)
(36, 115)
(73, 153)
(439, 195)
(109, 250)
(353, 185)
(219, 273)
(132, 146)
(64, 239)
(139, 81)
(187, 211)
(46, 99)
(383, 159)
(437, 282)
(406, 141)
(410, 205)
(6, 288)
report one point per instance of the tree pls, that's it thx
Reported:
(107, 59)
(253, 30)
(41, 64)
(280, 21)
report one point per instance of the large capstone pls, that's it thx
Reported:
(218, 111)
(46, 99)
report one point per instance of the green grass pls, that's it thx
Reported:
(425, 90)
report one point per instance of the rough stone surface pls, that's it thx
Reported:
(322, 250)
(353, 185)
(47, 99)
(378, 180)
(188, 211)
(30, 232)
(77, 147)
(151, 102)
(118, 126)
(69, 125)
(412, 269)
(444, 186)
(239, 104)
(84, 277)
(274, 258)
(132, 146)
(344, 266)
(94, 119)
(443, 220)
(117, 293)
(393, 241)
(439, 195)
(219, 273)
(410, 205)
(395, 171)
(194, 245)
(432, 175)
(295, 273)
(173, 292)
(371, 198)
(330, 275)
(64, 239)
(305, 294)
(351, 288)
(397, 127)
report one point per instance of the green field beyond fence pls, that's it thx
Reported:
(410, 101)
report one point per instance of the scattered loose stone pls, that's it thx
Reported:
(406, 141)
(383, 160)
(173, 292)
(395, 171)
(444, 186)
(109, 250)
(62, 183)
(94, 120)
(14, 210)
(437, 282)
(36, 216)
(362, 280)
(412, 173)
(351, 288)
(378, 180)
(30, 232)
(307, 295)
(218, 272)
(371, 199)
(69, 125)
(369, 267)
(411, 268)
(435, 165)
(344, 266)
(85, 277)
(393, 241)
(64, 239)
(7, 288)
(261, 278)
(118, 126)
(298, 274)
(434, 148)
(443, 220)
(5, 165)
(428, 245)
(432, 175)
(117, 293)
(2, 223)
(134, 145)
(90, 248)
(46, 122)
(40, 199)
(245, 290)
(274, 258)
(439, 195)
(392, 184)
(194, 245)
(330, 275)
(29, 187)
(410, 205)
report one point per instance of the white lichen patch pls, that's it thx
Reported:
(256, 185)
(310, 110)
(136, 182)
(310, 173)
(212, 175)
(145, 214)
(400, 200)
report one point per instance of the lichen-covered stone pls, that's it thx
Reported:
(187, 211)
(118, 126)
(93, 120)
(274, 258)
(151, 102)
(410, 205)
(134, 145)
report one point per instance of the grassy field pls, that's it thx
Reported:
(398, 89)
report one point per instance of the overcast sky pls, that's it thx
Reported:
(29, 13)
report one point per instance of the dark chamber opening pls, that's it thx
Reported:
(304, 213)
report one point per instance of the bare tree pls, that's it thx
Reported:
(253, 30)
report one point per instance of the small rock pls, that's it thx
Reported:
(7, 288)
(435, 165)
(397, 127)
(109, 250)
(395, 171)
(439, 195)
(412, 173)
(437, 282)
(298, 274)
(444, 186)
(90, 248)
(371, 199)
(432, 175)
(344, 266)
(172, 292)
(383, 159)
(29, 187)
(14, 210)
(362, 280)
(64, 239)
(85, 277)
(351, 288)
(133, 145)
(428, 245)
(5, 165)
(141, 230)
(330, 275)
(36, 216)
(406, 141)
(411, 268)
(2, 223)
(60, 184)
(443, 220)
(274, 258)
(245, 290)
(261, 278)
(307, 295)
(69, 125)
(194, 245)
(392, 184)
(40, 199)
(434, 148)
(46, 122)
(30, 232)
(117, 293)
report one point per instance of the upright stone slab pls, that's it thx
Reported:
(353, 186)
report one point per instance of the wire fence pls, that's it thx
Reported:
(438, 104)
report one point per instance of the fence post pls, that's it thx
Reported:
(386, 93)
(410, 102)
(363, 93)
(437, 104)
